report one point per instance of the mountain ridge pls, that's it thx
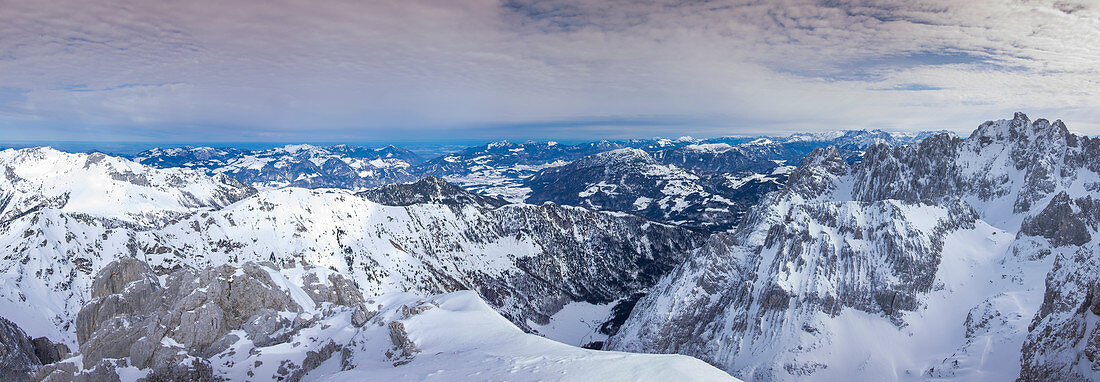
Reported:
(897, 245)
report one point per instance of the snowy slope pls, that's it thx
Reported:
(928, 261)
(463, 339)
(106, 186)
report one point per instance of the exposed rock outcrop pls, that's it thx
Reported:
(17, 353)
(21, 356)
(195, 314)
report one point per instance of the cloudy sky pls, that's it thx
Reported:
(375, 70)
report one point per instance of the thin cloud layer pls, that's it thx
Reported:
(377, 70)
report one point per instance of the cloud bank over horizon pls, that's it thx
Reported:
(382, 70)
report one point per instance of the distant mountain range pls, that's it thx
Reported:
(707, 183)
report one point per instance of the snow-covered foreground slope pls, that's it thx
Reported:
(461, 338)
(307, 323)
(949, 259)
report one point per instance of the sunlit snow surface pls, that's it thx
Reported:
(464, 339)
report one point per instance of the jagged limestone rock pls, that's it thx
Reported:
(1064, 221)
(157, 326)
(17, 353)
(57, 372)
(101, 371)
(362, 314)
(49, 352)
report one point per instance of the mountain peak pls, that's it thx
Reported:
(1020, 128)
(501, 143)
(617, 156)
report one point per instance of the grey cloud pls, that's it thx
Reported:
(282, 69)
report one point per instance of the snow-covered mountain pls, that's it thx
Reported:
(526, 260)
(302, 322)
(632, 180)
(946, 241)
(849, 143)
(502, 168)
(965, 259)
(107, 187)
(721, 158)
(339, 166)
(860, 139)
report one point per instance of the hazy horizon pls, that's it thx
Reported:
(563, 69)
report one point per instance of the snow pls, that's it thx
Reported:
(105, 186)
(303, 161)
(506, 182)
(494, 145)
(819, 136)
(40, 319)
(601, 187)
(168, 341)
(296, 148)
(710, 147)
(973, 262)
(739, 181)
(760, 142)
(463, 339)
(577, 323)
(297, 294)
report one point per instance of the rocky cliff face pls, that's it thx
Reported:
(172, 328)
(939, 246)
(17, 358)
(1063, 338)
(21, 355)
